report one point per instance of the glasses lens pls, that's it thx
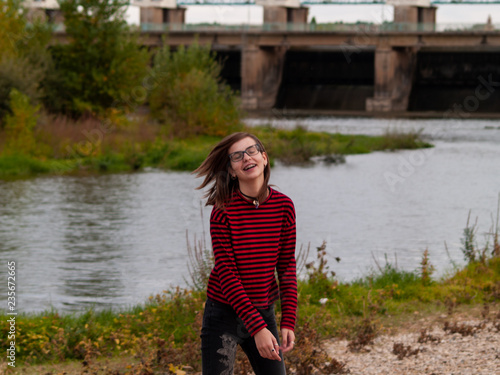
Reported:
(236, 156)
(252, 150)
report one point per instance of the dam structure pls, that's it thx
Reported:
(409, 64)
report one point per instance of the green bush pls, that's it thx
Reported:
(189, 97)
(12, 26)
(102, 65)
(24, 60)
(20, 124)
(19, 74)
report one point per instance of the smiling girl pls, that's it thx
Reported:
(252, 227)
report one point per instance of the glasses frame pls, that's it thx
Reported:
(244, 152)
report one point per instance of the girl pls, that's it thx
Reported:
(252, 227)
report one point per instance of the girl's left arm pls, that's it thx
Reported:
(287, 275)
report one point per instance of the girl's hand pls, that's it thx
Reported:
(267, 345)
(288, 338)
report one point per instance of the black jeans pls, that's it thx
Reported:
(223, 331)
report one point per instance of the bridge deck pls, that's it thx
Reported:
(225, 39)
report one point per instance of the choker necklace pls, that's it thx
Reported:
(255, 201)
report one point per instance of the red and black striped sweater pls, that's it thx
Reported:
(249, 244)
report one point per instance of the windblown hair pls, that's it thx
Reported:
(215, 168)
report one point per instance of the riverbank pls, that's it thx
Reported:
(67, 148)
(163, 334)
(453, 353)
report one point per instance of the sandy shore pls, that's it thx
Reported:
(474, 351)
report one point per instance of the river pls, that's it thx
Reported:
(113, 240)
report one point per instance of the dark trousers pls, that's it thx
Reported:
(223, 331)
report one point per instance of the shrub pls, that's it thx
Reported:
(12, 26)
(24, 60)
(19, 74)
(20, 124)
(189, 97)
(101, 65)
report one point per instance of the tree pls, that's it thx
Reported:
(189, 97)
(24, 59)
(101, 64)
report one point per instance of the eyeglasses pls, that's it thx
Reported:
(250, 151)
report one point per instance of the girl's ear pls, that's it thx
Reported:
(230, 171)
(264, 155)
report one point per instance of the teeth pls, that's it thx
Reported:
(250, 166)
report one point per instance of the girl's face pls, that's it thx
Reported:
(250, 167)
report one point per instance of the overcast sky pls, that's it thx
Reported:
(238, 14)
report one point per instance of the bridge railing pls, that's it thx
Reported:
(318, 28)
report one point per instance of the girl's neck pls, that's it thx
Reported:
(251, 189)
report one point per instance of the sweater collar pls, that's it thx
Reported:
(251, 203)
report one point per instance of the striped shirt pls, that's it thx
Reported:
(249, 244)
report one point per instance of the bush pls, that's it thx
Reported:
(189, 97)
(20, 124)
(101, 65)
(21, 75)
(24, 60)
(12, 26)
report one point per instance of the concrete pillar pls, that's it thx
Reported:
(427, 15)
(283, 11)
(297, 15)
(414, 14)
(261, 74)
(394, 72)
(273, 14)
(151, 15)
(405, 14)
(158, 16)
(177, 15)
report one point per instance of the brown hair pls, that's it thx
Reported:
(215, 169)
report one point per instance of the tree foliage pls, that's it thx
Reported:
(189, 96)
(24, 60)
(20, 124)
(101, 64)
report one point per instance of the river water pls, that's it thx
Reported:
(113, 240)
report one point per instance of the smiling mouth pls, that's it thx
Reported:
(248, 167)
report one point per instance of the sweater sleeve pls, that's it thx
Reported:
(229, 279)
(287, 275)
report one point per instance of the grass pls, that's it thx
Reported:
(64, 146)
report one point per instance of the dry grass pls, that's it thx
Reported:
(115, 133)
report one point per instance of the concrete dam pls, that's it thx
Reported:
(322, 79)
(411, 64)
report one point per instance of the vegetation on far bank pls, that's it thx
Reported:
(59, 149)
(162, 336)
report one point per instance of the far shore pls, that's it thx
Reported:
(288, 113)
